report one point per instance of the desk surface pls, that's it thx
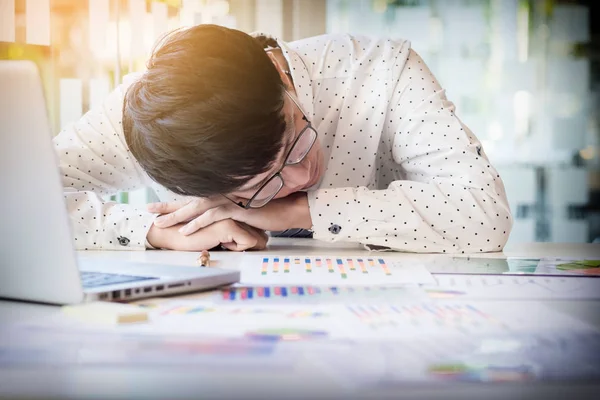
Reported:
(312, 247)
(179, 381)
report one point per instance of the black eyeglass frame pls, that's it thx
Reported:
(277, 174)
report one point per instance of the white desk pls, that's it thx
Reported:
(181, 382)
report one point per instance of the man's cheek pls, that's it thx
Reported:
(283, 193)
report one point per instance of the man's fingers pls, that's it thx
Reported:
(261, 236)
(186, 212)
(230, 246)
(257, 231)
(230, 234)
(239, 236)
(180, 215)
(209, 217)
(166, 207)
(235, 237)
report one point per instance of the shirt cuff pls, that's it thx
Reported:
(360, 215)
(329, 210)
(126, 228)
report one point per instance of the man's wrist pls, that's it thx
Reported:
(157, 237)
(302, 214)
(149, 246)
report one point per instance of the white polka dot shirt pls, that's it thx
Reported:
(403, 172)
(95, 162)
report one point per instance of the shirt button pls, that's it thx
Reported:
(123, 241)
(335, 229)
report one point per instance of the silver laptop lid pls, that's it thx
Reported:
(36, 250)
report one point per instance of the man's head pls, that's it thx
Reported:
(208, 114)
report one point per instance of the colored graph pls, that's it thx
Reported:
(303, 354)
(330, 270)
(482, 373)
(514, 266)
(513, 287)
(443, 293)
(286, 335)
(290, 313)
(181, 310)
(430, 310)
(342, 265)
(585, 267)
(217, 346)
(300, 292)
(447, 287)
(522, 265)
(421, 317)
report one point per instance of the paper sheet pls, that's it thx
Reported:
(447, 287)
(331, 270)
(422, 341)
(524, 357)
(285, 294)
(356, 321)
(499, 357)
(569, 266)
(475, 265)
(506, 287)
(513, 266)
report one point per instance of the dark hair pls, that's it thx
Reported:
(207, 115)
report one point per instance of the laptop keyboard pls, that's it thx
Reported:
(94, 279)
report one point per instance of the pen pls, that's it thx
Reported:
(204, 259)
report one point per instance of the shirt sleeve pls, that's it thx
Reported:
(450, 198)
(95, 162)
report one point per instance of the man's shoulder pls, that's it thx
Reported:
(348, 49)
(341, 55)
(346, 40)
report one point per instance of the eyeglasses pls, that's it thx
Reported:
(300, 148)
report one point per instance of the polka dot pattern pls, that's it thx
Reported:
(403, 172)
(95, 162)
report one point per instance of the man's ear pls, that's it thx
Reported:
(282, 72)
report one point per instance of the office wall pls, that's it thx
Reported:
(521, 76)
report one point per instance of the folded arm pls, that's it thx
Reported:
(450, 198)
(95, 162)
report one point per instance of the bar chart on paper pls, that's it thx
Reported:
(513, 287)
(461, 317)
(427, 317)
(316, 294)
(331, 270)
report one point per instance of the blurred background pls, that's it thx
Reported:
(524, 75)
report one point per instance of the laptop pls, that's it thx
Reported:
(38, 261)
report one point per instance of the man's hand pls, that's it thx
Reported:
(177, 212)
(232, 235)
(279, 214)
